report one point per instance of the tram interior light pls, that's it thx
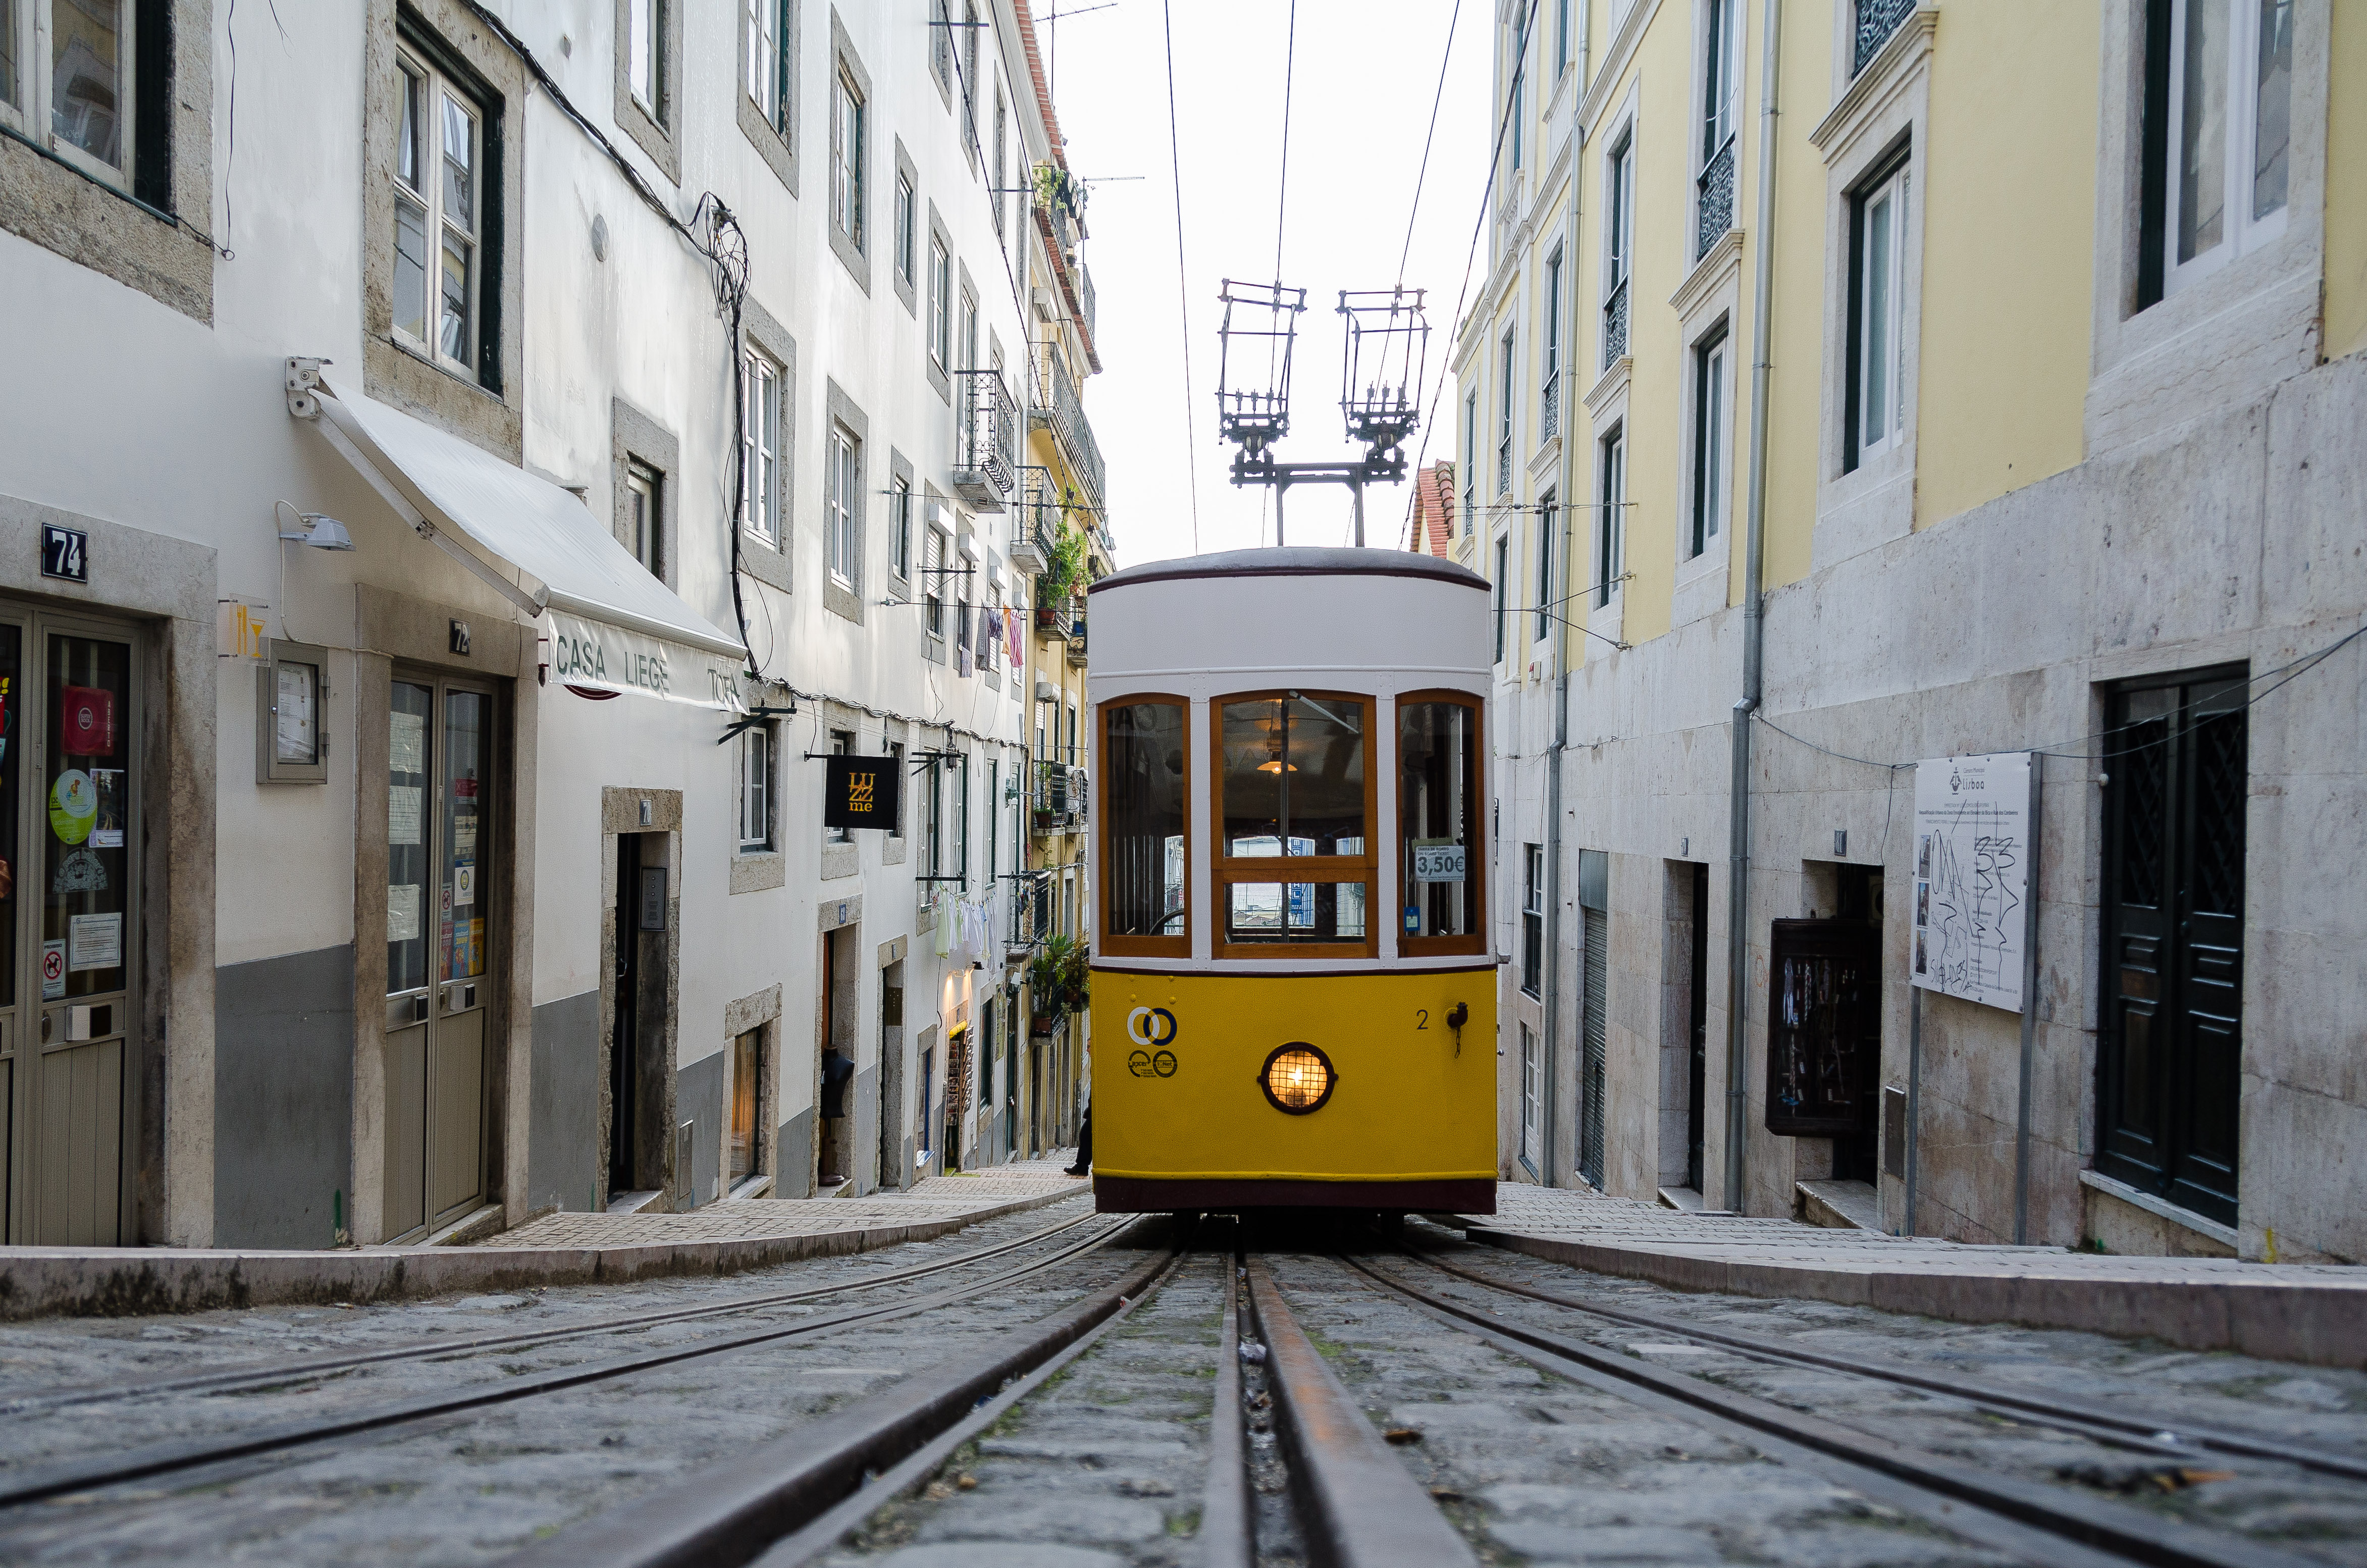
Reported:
(1298, 1078)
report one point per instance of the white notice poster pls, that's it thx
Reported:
(94, 941)
(406, 742)
(403, 912)
(1972, 877)
(402, 814)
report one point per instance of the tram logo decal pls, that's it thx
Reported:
(1152, 1026)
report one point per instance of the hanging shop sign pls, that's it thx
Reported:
(597, 658)
(860, 791)
(1970, 919)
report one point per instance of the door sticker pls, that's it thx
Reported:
(53, 971)
(73, 806)
(107, 829)
(87, 721)
(464, 884)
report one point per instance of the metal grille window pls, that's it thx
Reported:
(2172, 1048)
(756, 789)
(1549, 408)
(1874, 397)
(846, 133)
(1711, 420)
(438, 217)
(1619, 245)
(842, 496)
(1505, 414)
(1594, 1010)
(1611, 516)
(760, 445)
(1721, 81)
(1877, 20)
(1533, 918)
(769, 61)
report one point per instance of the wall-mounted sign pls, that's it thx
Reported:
(860, 791)
(65, 553)
(239, 631)
(1972, 850)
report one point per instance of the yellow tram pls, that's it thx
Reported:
(1322, 1033)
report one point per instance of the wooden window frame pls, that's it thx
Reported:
(1111, 944)
(1476, 858)
(1229, 869)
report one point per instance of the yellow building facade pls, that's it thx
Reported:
(1859, 384)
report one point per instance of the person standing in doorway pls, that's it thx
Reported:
(836, 1069)
(1085, 1164)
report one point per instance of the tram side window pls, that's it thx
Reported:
(1294, 777)
(1438, 789)
(1146, 782)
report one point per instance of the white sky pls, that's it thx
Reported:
(1366, 76)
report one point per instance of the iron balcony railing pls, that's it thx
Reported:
(1060, 791)
(1615, 325)
(1077, 639)
(1031, 908)
(988, 458)
(1877, 20)
(1505, 465)
(1053, 618)
(1714, 201)
(1056, 407)
(1036, 522)
(1549, 415)
(1085, 296)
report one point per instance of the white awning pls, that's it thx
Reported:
(606, 622)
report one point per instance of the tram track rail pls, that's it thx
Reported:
(2135, 1429)
(2039, 1523)
(276, 1374)
(37, 1481)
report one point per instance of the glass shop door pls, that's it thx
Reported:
(439, 921)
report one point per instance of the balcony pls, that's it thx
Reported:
(1031, 910)
(1877, 20)
(1076, 640)
(1057, 801)
(988, 458)
(1085, 296)
(1053, 620)
(1615, 325)
(1713, 200)
(1035, 524)
(1056, 407)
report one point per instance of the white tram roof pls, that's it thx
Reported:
(1376, 621)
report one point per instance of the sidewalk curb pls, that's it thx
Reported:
(2322, 1324)
(134, 1281)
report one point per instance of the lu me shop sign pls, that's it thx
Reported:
(860, 791)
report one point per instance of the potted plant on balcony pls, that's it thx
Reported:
(1058, 981)
(1064, 570)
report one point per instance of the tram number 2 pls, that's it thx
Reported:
(1422, 1018)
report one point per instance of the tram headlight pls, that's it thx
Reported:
(1298, 1078)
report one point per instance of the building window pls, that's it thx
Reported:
(1002, 175)
(1533, 918)
(1504, 569)
(907, 219)
(2171, 1046)
(1505, 414)
(755, 789)
(1532, 1108)
(1561, 36)
(847, 158)
(644, 496)
(1471, 460)
(1518, 97)
(900, 525)
(1548, 515)
(842, 744)
(993, 822)
(1611, 518)
(941, 304)
(1874, 399)
(438, 219)
(86, 96)
(1721, 81)
(896, 766)
(768, 60)
(968, 330)
(970, 29)
(1549, 405)
(1711, 418)
(933, 578)
(760, 446)
(644, 57)
(1618, 245)
(933, 836)
(941, 46)
(842, 495)
(2217, 136)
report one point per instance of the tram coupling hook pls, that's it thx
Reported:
(1456, 1017)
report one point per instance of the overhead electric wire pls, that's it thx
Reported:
(1281, 183)
(1478, 227)
(1182, 273)
(1422, 174)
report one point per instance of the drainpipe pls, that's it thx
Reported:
(1738, 912)
(1561, 670)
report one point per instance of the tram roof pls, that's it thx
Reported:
(1296, 560)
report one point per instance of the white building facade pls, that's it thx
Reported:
(663, 367)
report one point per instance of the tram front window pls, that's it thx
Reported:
(1143, 854)
(1438, 782)
(1294, 787)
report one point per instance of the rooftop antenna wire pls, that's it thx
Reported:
(1182, 284)
(1282, 182)
(1445, 55)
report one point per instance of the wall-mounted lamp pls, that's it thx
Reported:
(317, 530)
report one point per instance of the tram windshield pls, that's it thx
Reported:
(1293, 780)
(1142, 760)
(1438, 782)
